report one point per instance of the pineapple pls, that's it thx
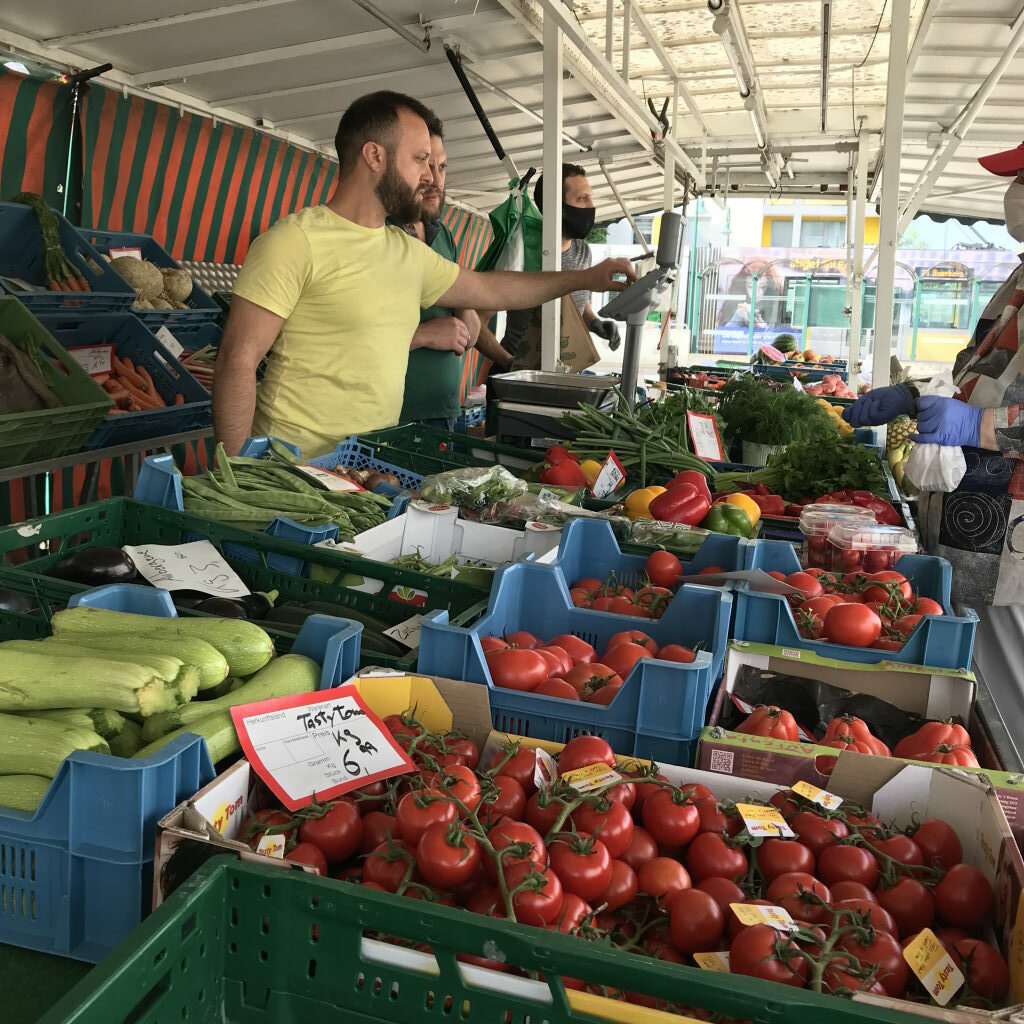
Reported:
(899, 432)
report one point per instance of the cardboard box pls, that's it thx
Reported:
(576, 349)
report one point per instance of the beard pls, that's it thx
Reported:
(401, 203)
(431, 216)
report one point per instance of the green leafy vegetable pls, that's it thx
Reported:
(759, 414)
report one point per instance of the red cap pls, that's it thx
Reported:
(1007, 163)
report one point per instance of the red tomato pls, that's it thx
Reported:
(571, 914)
(337, 833)
(487, 901)
(465, 748)
(557, 688)
(624, 793)
(510, 833)
(732, 922)
(583, 751)
(623, 605)
(579, 650)
(518, 763)
(786, 891)
(614, 825)
(387, 865)
(723, 892)
(493, 643)
(816, 832)
(777, 857)
(986, 971)
(901, 848)
(938, 843)
(884, 643)
(697, 921)
(906, 624)
(887, 584)
(581, 863)
(926, 606)
(885, 953)
(310, 855)
(819, 606)
(462, 784)
(848, 864)
(873, 913)
(645, 790)
(677, 652)
(853, 625)
(505, 800)
(622, 888)
(710, 856)
(852, 891)
(537, 906)
(521, 639)
(632, 636)
(591, 677)
(564, 661)
(771, 721)
(417, 811)
(757, 952)
(604, 692)
(912, 906)
(268, 817)
(669, 821)
(843, 983)
(580, 598)
(641, 849)
(542, 818)
(517, 668)
(591, 583)
(378, 828)
(964, 898)
(662, 878)
(621, 659)
(714, 819)
(554, 663)
(663, 569)
(448, 856)
(808, 585)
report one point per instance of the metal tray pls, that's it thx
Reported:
(558, 389)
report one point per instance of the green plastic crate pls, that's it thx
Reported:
(245, 944)
(49, 596)
(120, 521)
(48, 433)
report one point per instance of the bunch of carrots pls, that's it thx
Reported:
(61, 276)
(132, 388)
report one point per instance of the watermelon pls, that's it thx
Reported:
(785, 343)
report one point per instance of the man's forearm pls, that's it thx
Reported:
(419, 338)
(234, 402)
(489, 346)
(509, 289)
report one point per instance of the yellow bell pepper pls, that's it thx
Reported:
(639, 501)
(748, 505)
(591, 469)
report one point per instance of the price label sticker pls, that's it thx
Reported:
(545, 769)
(929, 960)
(591, 777)
(407, 633)
(707, 444)
(547, 495)
(713, 961)
(762, 820)
(125, 250)
(94, 359)
(776, 917)
(272, 846)
(612, 474)
(318, 745)
(169, 341)
(328, 480)
(817, 796)
(195, 566)
(791, 652)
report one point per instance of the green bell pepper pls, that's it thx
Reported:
(731, 519)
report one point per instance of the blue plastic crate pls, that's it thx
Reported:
(201, 307)
(196, 334)
(471, 416)
(660, 709)
(939, 641)
(21, 256)
(133, 340)
(352, 454)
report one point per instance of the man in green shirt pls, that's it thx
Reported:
(433, 380)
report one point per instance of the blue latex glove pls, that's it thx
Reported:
(878, 406)
(947, 421)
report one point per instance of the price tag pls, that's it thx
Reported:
(817, 796)
(929, 960)
(762, 820)
(328, 480)
(272, 846)
(612, 474)
(753, 914)
(545, 769)
(713, 961)
(94, 359)
(317, 744)
(407, 633)
(704, 434)
(196, 566)
(591, 777)
(129, 250)
(169, 341)
(546, 495)
(797, 384)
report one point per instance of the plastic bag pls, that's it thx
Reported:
(936, 467)
(476, 487)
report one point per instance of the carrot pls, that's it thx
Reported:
(101, 378)
(71, 284)
(126, 371)
(54, 286)
(179, 399)
(151, 388)
(83, 285)
(113, 386)
(142, 399)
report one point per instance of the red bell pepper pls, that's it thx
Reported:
(558, 454)
(692, 476)
(793, 510)
(769, 504)
(680, 504)
(884, 512)
(564, 474)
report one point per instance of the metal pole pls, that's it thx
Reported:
(916, 315)
(71, 144)
(899, 38)
(807, 311)
(849, 233)
(626, 12)
(857, 291)
(670, 164)
(551, 312)
(618, 197)
(752, 316)
(609, 30)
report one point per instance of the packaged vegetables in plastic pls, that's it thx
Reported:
(473, 487)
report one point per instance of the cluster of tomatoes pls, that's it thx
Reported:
(935, 742)
(878, 609)
(652, 868)
(567, 666)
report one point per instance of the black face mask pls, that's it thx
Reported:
(577, 221)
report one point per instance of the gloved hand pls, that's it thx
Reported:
(947, 421)
(878, 406)
(607, 329)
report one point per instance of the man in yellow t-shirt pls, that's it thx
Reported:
(333, 295)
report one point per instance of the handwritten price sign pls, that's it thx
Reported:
(196, 566)
(317, 744)
(94, 359)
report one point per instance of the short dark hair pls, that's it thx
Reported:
(373, 118)
(568, 171)
(435, 126)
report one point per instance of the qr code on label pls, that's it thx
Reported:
(722, 761)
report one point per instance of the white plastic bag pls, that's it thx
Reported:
(937, 467)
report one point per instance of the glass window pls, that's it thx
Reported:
(823, 234)
(781, 233)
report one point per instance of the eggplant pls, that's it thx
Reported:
(188, 599)
(258, 605)
(13, 601)
(289, 615)
(222, 606)
(96, 567)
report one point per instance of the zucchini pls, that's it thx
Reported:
(127, 741)
(103, 721)
(35, 746)
(229, 684)
(284, 676)
(30, 682)
(245, 647)
(217, 729)
(23, 792)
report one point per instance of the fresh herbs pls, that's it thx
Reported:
(761, 415)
